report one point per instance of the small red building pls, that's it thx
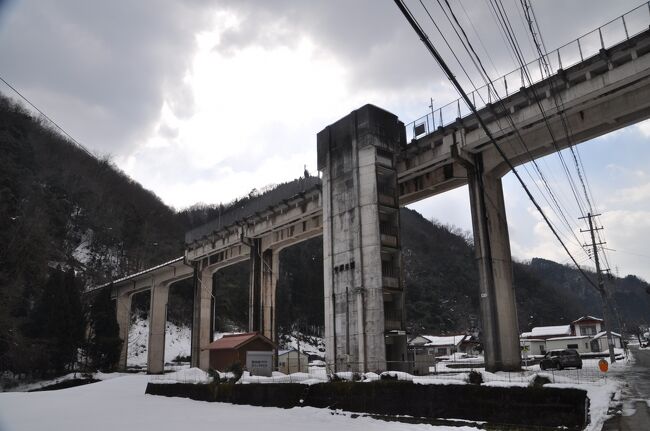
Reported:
(232, 348)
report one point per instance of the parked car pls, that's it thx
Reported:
(559, 359)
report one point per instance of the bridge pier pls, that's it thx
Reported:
(492, 249)
(123, 312)
(270, 272)
(255, 294)
(202, 315)
(364, 308)
(157, 326)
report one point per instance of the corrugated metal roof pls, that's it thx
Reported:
(234, 341)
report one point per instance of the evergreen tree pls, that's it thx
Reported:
(75, 322)
(57, 324)
(104, 343)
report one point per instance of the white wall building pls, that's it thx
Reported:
(292, 361)
(585, 335)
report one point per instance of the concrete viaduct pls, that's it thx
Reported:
(368, 171)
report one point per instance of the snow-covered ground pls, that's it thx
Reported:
(25, 387)
(94, 405)
(177, 342)
(120, 403)
(307, 344)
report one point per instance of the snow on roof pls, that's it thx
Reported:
(600, 334)
(587, 319)
(545, 331)
(570, 337)
(450, 340)
(145, 271)
(234, 341)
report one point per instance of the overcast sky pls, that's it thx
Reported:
(202, 101)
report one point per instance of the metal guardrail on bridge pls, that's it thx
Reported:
(618, 30)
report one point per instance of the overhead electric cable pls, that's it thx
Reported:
(490, 84)
(47, 118)
(432, 50)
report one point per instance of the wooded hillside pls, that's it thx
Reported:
(62, 206)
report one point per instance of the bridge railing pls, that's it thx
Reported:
(586, 46)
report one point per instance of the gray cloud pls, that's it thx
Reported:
(101, 68)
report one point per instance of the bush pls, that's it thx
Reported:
(539, 381)
(388, 376)
(475, 378)
(215, 375)
(178, 359)
(237, 369)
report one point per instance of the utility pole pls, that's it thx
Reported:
(601, 284)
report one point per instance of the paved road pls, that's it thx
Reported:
(636, 396)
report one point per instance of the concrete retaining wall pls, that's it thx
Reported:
(548, 407)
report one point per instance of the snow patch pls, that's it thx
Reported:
(177, 342)
(191, 375)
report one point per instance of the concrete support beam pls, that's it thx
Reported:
(270, 272)
(123, 310)
(202, 317)
(492, 247)
(361, 256)
(255, 288)
(157, 326)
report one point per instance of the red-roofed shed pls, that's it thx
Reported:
(233, 348)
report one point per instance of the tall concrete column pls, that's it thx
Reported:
(492, 248)
(202, 316)
(361, 256)
(255, 288)
(157, 326)
(270, 271)
(123, 311)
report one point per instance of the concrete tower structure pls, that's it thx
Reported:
(364, 297)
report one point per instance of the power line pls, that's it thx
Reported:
(533, 24)
(77, 143)
(432, 50)
(506, 28)
(490, 85)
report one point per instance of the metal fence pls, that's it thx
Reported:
(586, 46)
(439, 372)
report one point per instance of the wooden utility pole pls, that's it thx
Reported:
(601, 285)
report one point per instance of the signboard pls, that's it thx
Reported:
(603, 365)
(259, 363)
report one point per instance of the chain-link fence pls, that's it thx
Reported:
(436, 372)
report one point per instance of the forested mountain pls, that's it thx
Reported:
(60, 206)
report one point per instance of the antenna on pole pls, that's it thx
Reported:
(433, 115)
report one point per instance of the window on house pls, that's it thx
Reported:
(441, 351)
(588, 330)
(571, 346)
